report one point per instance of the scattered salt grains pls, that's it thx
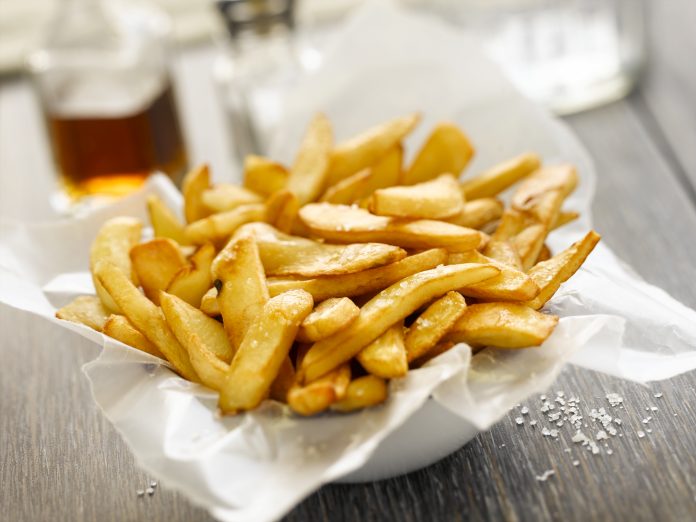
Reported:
(153, 483)
(657, 395)
(576, 463)
(614, 399)
(653, 408)
(545, 475)
(150, 491)
(519, 421)
(640, 434)
(601, 435)
(532, 423)
(524, 410)
(140, 492)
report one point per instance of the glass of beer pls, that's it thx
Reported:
(110, 111)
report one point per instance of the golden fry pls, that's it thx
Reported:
(156, 262)
(478, 213)
(362, 392)
(309, 173)
(192, 281)
(438, 198)
(218, 228)
(264, 176)
(495, 180)
(386, 356)
(164, 221)
(327, 318)
(192, 187)
(121, 329)
(319, 395)
(226, 196)
(87, 310)
(281, 210)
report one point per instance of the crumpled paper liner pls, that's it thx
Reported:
(257, 466)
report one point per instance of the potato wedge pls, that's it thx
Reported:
(438, 198)
(361, 283)
(344, 224)
(309, 173)
(509, 285)
(362, 392)
(227, 196)
(563, 178)
(386, 308)
(384, 173)
(432, 325)
(145, 316)
(242, 294)
(121, 329)
(496, 179)
(386, 356)
(529, 243)
(192, 281)
(87, 310)
(209, 303)
(549, 275)
(446, 151)
(283, 382)
(284, 255)
(327, 318)
(366, 149)
(503, 252)
(281, 210)
(264, 176)
(218, 228)
(478, 213)
(164, 221)
(319, 395)
(192, 187)
(502, 325)
(157, 262)
(112, 244)
(265, 346)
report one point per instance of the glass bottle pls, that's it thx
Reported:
(105, 90)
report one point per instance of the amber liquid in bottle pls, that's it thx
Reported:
(113, 155)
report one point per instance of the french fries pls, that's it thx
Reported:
(228, 299)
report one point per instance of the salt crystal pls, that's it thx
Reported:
(641, 434)
(617, 422)
(653, 408)
(150, 491)
(545, 475)
(610, 452)
(560, 394)
(519, 421)
(545, 432)
(532, 423)
(140, 492)
(601, 435)
(658, 395)
(576, 463)
(614, 399)
(153, 484)
(543, 397)
(524, 410)
(649, 430)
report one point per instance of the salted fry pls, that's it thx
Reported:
(327, 318)
(386, 356)
(446, 151)
(121, 329)
(438, 198)
(502, 325)
(226, 196)
(266, 344)
(156, 263)
(242, 294)
(218, 228)
(264, 176)
(145, 316)
(498, 178)
(345, 224)
(478, 213)
(432, 325)
(192, 281)
(529, 243)
(164, 221)
(386, 308)
(366, 282)
(503, 252)
(563, 178)
(112, 244)
(192, 187)
(549, 275)
(309, 173)
(281, 210)
(87, 310)
(362, 392)
(209, 303)
(364, 150)
(319, 395)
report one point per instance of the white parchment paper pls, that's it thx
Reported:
(257, 466)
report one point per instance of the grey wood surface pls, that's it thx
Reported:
(61, 460)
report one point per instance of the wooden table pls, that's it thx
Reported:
(61, 460)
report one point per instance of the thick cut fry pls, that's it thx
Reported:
(509, 285)
(145, 316)
(364, 150)
(327, 318)
(384, 173)
(345, 224)
(549, 275)
(186, 320)
(319, 395)
(281, 210)
(495, 180)
(502, 325)
(264, 176)
(121, 329)
(112, 244)
(386, 308)
(156, 263)
(503, 252)
(529, 243)
(243, 292)
(226, 196)
(362, 392)
(87, 310)
(438, 198)
(433, 324)
(164, 221)
(218, 228)
(265, 346)
(192, 187)
(283, 382)
(309, 173)
(283, 254)
(545, 254)
(478, 213)
(386, 356)
(447, 150)
(209, 303)
(565, 217)
(563, 178)
(192, 281)
(361, 283)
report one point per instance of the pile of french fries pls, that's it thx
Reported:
(314, 285)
